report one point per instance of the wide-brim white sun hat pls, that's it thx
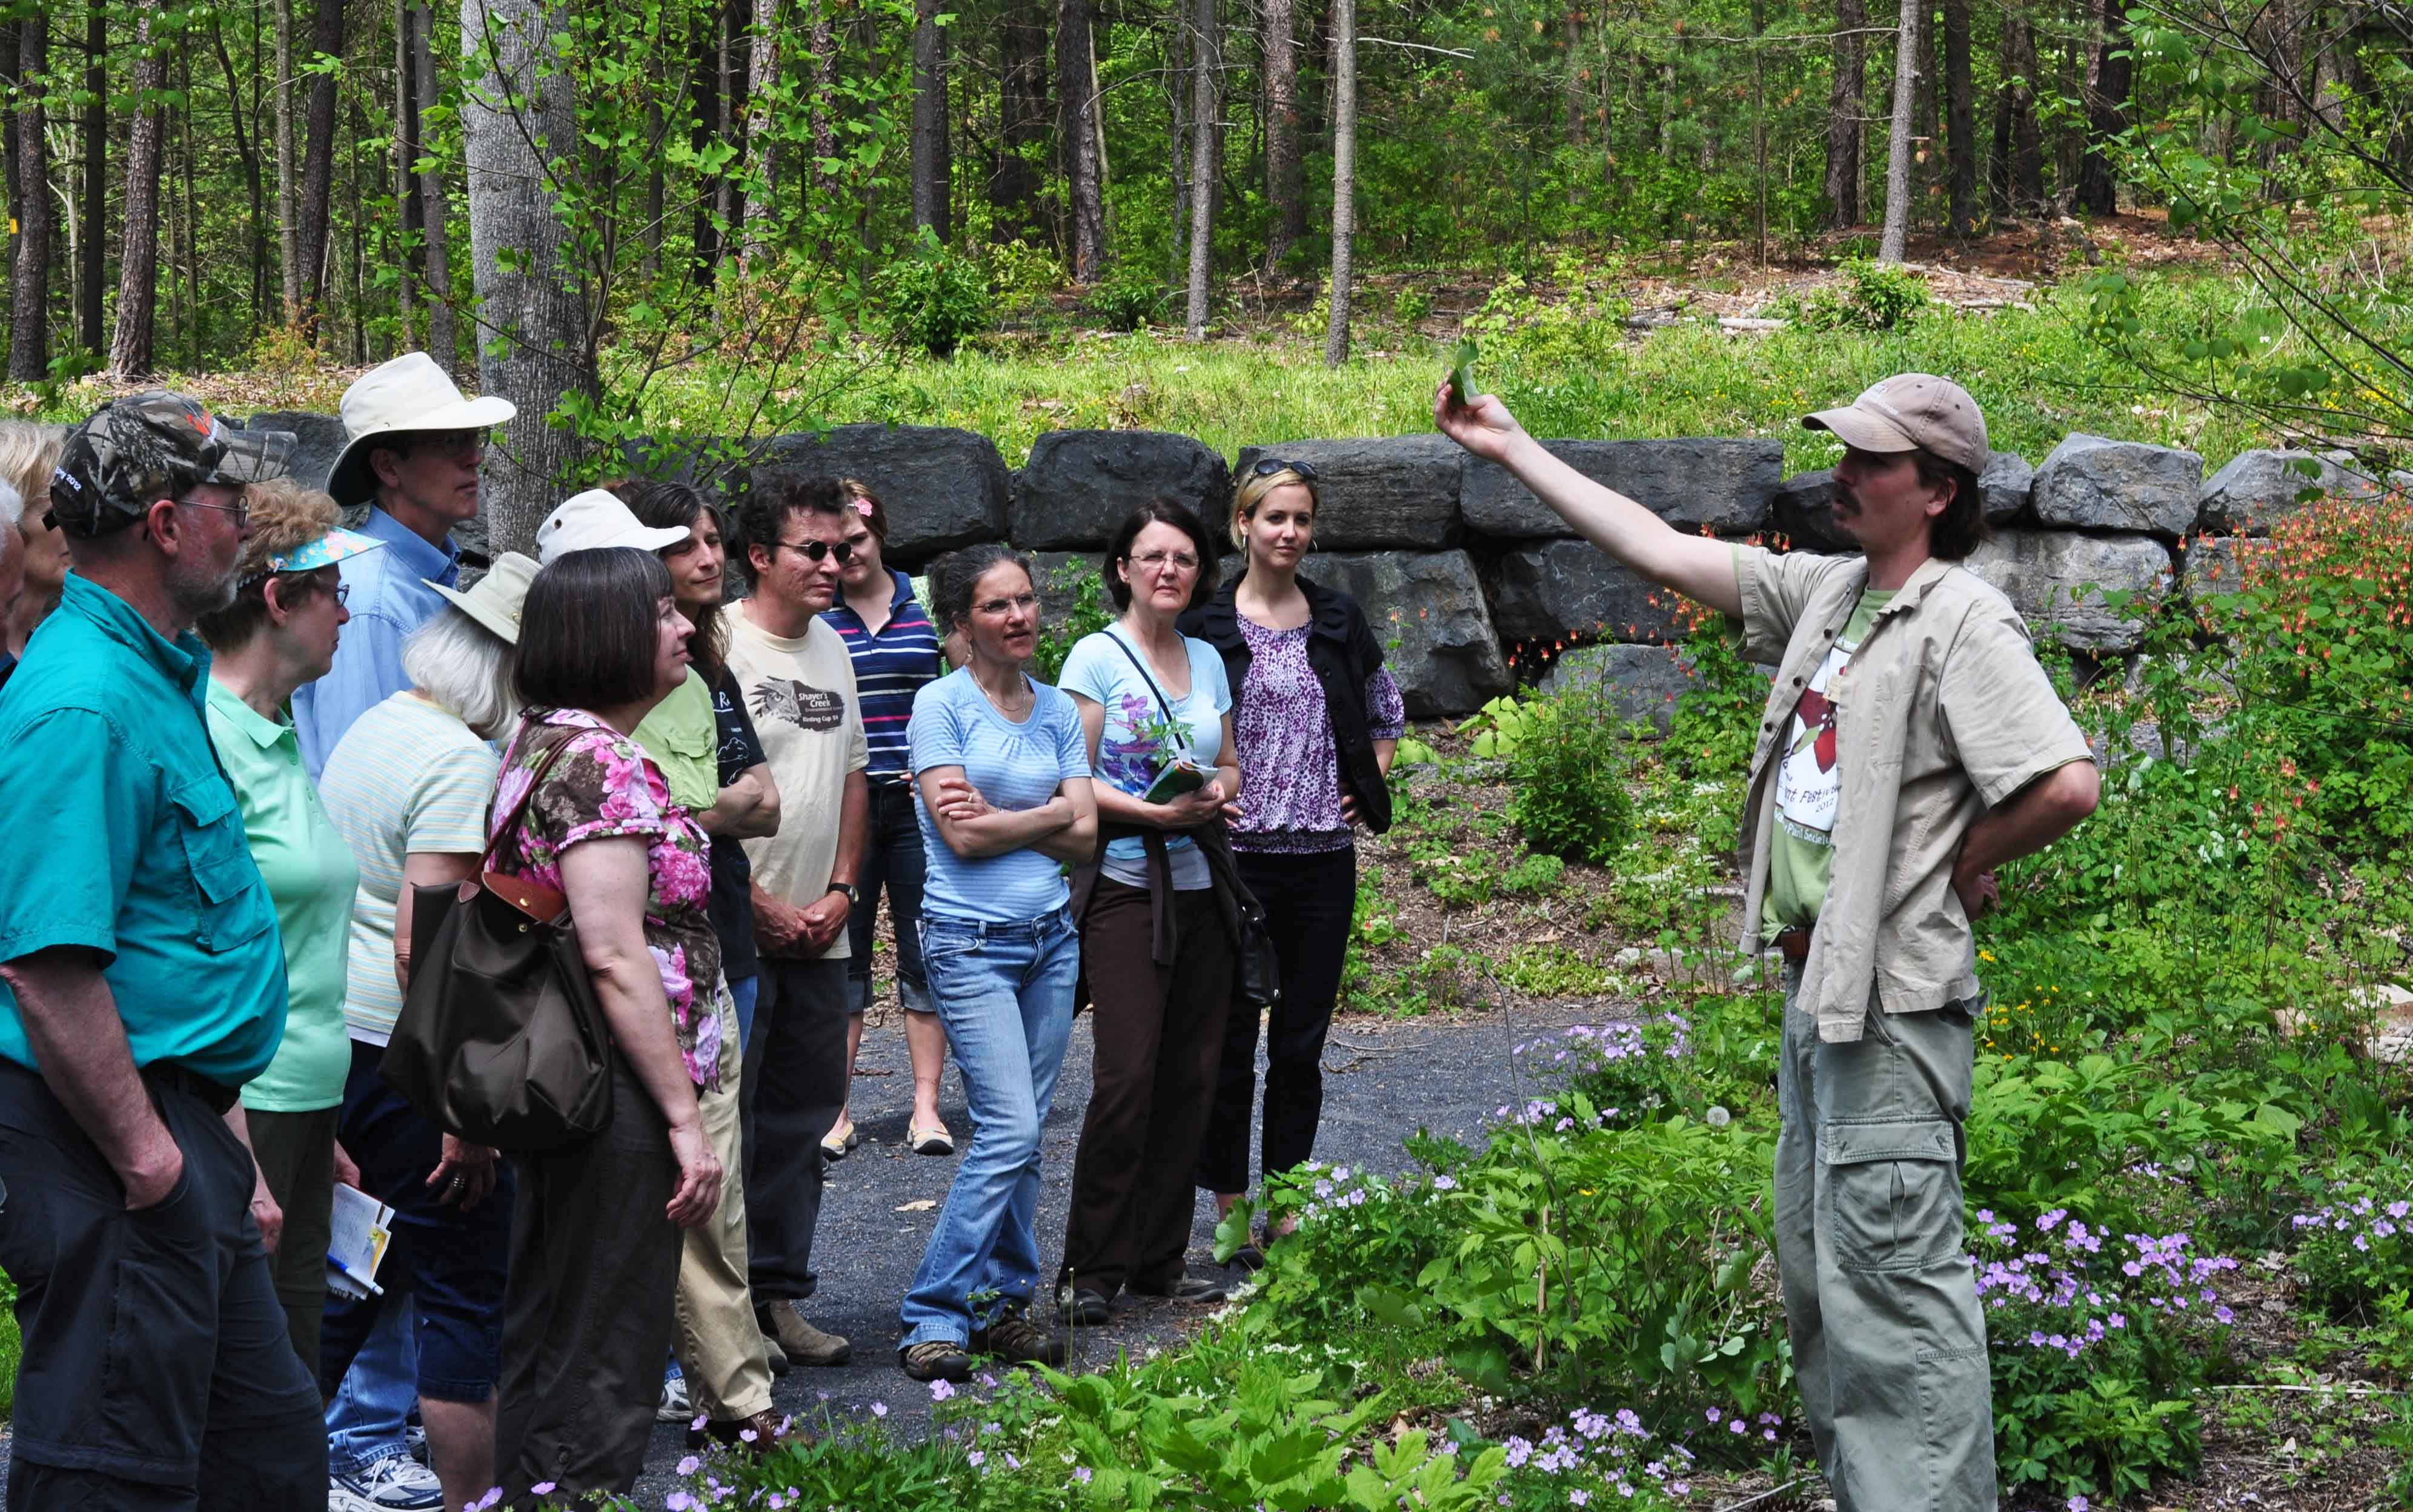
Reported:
(495, 600)
(595, 518)
(406, 394)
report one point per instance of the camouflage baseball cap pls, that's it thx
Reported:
(146, 447)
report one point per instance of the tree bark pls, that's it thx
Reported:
(405, 105)
(1285, 175)
(1344, 176)
(1960, 123)
(1905, 92)
(137, 269)
(540, 344)
(823, 39)
(289, 253)
(247, 150)
(933, 165)
(96, 177)
(1206, 123)
(443, 336)
(2017, 170)
(1845, 94)
(703, 87)
(1022, 118)
(29, 293)
(2107, 111)
(316, 212)
(762, 87)
(1077, 137)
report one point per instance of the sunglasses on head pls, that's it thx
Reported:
(1267, 466)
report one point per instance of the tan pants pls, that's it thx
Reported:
(720, 1344)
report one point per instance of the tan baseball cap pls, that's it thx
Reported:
(1910, 412)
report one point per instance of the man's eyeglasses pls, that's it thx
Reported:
(816, 549)
(240, 508)
(1267, 466)
(456, 445)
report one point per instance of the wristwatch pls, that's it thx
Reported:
(853, 898)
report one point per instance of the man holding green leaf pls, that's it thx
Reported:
(1910, 745)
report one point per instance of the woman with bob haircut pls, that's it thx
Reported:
(595, 1241)
(28, 455)
(1317, 716)
(1001, 771)
(1159, 931)
(278, 633)
(408, 787)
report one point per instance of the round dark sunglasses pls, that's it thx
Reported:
(815, 550)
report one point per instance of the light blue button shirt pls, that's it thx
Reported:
(388, 600)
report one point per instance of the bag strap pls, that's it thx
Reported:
(1146, 677)
(519, 809)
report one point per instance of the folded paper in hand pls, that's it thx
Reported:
(357, 1235)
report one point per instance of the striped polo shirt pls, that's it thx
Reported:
(889, 668)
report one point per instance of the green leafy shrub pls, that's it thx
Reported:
(1568, 770)
(1872, 297)
(1128, 298)
(1552, 971)
(2356, 1248)
(936, 298)
(1090, 611)
(1535, 876)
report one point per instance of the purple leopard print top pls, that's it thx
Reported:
(1290, 764)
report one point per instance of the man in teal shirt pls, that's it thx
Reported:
(142, 982)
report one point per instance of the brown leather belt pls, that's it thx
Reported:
(1793, 944)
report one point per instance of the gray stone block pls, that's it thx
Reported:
(1079, 486)
(1428, 610)
(2092, 483)
(318, 440)
(1804, 511)
(1690, 482)
(2214, 564)
(1384, 491)
(1058, 576)
(2049, 577)
(942, 488)
(2005, 486)
(2255, 490)
(1642, 682)
(1573, 590)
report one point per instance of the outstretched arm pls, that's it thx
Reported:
(1701, 567)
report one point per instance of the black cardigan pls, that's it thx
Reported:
(1341, 648)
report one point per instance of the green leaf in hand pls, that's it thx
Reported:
(1461, 387)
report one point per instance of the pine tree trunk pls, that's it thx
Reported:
(1077, 137)
(192, 203)
(138, 268)
(2106, 111)
(933, 166)
(96, 179)
(1285, 175)
(29, 292)
(823, 39)
(1845, 94)
(443, 336)
(1344, 177)
(314, 228)
(404, 152)
(1207, 71)
(2026, 171)
(1960, 122)
(289, 253)
(539, 345)
(703, 87)
(246, 146)
(1898, 151)
(1022, 118)
(762, 84)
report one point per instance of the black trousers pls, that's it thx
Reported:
(1308, 900)
(589, 1316)
(1157, 1034)
(795, 1082)
(157, 1372)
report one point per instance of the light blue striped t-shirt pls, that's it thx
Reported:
(1016, 767)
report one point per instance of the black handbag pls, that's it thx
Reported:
(1256, 971)
(500, 1040)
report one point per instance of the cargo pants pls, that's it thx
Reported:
(1880, 1301)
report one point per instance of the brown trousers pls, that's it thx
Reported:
(1158, 1043)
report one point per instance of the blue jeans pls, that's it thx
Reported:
(367, 1415)
(894, 860)
(1004, 992)
(744, 993)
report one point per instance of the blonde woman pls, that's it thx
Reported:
(1317, 717)
(28, 453)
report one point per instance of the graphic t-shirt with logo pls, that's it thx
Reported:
(800, 693)
(1809, 785)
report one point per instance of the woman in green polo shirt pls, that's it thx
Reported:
(278, 633)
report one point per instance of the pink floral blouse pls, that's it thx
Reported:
(605, 785)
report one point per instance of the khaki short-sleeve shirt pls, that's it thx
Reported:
(1942, 714)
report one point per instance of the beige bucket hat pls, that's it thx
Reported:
(494, 600)
(406, 394)
(584, 522)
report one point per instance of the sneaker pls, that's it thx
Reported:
(1082, 1308)
(674, 1406)
(1189, 1289)
(396, 1482)
(1012, 1337)
(414, 1438)
(936, 1359)
(804, 1343)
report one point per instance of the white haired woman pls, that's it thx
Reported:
(407, 786)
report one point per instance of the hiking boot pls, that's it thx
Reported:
(1014, 1338)
(773, 1356)
(803, 1344)
(759, 1434)
(1191, 1289)
(936, 1359)
(1082, 1308)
